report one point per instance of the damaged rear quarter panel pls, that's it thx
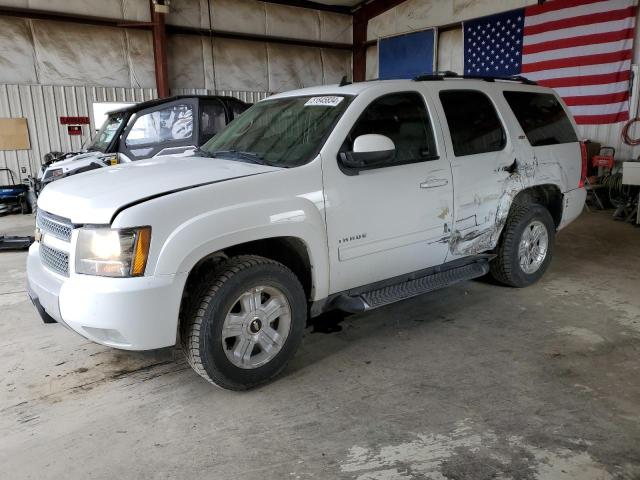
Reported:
(549, 165)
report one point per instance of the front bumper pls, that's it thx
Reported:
(128, 313)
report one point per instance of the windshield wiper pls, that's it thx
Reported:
(198, 152)
(250, 157)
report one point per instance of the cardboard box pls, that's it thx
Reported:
(14, 134)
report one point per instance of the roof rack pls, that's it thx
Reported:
(449, 74)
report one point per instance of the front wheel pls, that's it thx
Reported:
(526, 246)
(245, 323)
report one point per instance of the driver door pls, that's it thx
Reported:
(393, 219)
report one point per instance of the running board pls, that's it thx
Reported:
(411, 288)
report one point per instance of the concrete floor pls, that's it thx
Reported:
(476, 381)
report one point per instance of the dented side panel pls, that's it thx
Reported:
(485, 185)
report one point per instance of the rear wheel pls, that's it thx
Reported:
(526, 246)
(245, 324)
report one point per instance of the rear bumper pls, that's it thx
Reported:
(573, 206)
(127, 313)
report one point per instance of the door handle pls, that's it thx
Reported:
(434, 182)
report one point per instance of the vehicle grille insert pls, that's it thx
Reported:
(50, 225)
(55, 260)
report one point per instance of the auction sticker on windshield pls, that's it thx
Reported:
(324, 101)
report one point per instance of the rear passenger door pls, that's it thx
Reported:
(482, 158)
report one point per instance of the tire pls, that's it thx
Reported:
(507, 267)
(25, 208)
(219, 303)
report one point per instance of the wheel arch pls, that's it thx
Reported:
(548, 195)
(292, 252)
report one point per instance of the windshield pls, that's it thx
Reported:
(105, 135)
(285, 132)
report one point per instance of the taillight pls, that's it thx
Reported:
(583, 173)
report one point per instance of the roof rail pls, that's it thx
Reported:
(439, 75)
(449, 74)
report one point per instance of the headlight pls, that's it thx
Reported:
(113, 253)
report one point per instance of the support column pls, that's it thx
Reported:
(359, 46)
(159, 31)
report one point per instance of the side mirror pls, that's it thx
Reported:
(369, 151)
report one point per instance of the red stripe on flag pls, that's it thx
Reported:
(586, 80)
(577, 61)
(557, 5)
(581, 20)
(597, 99)
(578, 41)
(601, 119)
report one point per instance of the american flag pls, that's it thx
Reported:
(581, 48)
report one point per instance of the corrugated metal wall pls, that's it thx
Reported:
(42, 105)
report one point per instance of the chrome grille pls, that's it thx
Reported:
(51, 225)
(55, 260)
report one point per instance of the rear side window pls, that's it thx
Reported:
(542, 118)
(212, 119)
(473, 122)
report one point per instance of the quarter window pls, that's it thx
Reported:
(542, 118)
(212, 119)
(473, 122)
(404, 119)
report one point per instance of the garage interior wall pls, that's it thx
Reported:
(50, 69)
(420, 14)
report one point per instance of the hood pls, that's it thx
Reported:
(95, 196)
(75, 158)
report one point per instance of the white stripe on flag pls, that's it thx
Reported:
(599, 109)
(584, 50)
(601, 69)
(571, 12)
(604, 89)
(603, 27)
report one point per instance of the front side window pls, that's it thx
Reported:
(473, 122)
(404, 119)
(542, 118)
(172, 123)
(285, 132)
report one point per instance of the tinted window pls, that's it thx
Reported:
(403, 118)
(542, 118)
(473, 122)
(238, 108)
(212, 119)
(169, 124)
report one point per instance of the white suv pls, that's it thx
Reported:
(344, 196)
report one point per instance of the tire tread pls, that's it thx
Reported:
(194, 314)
